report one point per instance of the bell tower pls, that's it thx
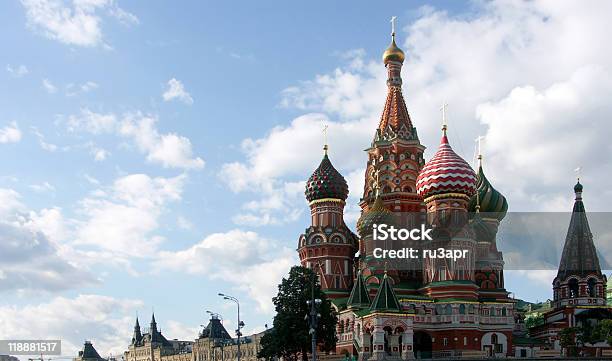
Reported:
(579, 279)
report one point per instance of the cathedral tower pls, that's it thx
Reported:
(446, 183)
(396, 154)
(579, 279)
(328, 246)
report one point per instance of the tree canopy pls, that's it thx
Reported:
(290, 338)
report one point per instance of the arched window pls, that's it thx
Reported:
(573, 288)
(592, 287)
(462, 309)
(504, 312)
(494, 339)
(448, 310)
(471, 309)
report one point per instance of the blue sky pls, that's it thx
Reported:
(154, 154)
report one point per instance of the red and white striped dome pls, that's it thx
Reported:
(446, 172)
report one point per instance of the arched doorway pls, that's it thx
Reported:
(422, 345)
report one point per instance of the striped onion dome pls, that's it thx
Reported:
(326, 182)
(446, 173)
(491, 201)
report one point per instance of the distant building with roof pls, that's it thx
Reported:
(580, 287)
(89, 353)
(214, 343)
(151, 345)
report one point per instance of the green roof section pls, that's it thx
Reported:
(359, 297)
(385, 299)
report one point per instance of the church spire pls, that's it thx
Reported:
(137, 337)
(395, 120)
(579, 257)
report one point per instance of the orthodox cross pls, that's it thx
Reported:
(325, 127)
(479, 141)
(578, 172)
(393, 25)
(444, 108)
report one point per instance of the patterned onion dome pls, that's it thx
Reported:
(326, 182)
(445, 173)
(378, 214)
(491, 201)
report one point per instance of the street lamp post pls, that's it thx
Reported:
(240, 323)
(313, 318)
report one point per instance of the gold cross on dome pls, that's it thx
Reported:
(325, 127)
(444, 109)
(393, 24)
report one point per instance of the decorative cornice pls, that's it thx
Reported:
(446, 195)
(322, 200)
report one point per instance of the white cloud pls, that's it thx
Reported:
(176, 90)
(43, 187)
(106, 321)
(123, 218)
(10, 133)
(31, 259)
(76, 89)
(48, 86)
(184, 223)
(77, 24)
(49, 147)
(170, 150)
(91, 122)
(17, 71)
(249, 262)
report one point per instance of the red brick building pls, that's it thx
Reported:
(418, 308)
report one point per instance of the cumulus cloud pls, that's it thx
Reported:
(31, 259)
(78, 23)
(106, 321)
(170, 150)
(122, 218)
(248, 261)
(10, 133)
(176, 90)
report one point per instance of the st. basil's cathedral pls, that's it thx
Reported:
(433, 307)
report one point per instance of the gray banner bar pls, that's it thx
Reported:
(30, 347)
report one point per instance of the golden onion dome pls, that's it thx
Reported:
(393, 53)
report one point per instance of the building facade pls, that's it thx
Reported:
(428, 307)
(214, 343)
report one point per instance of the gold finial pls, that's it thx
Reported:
(443, 108)
(479, 141)
(325, 146)
(393, 53)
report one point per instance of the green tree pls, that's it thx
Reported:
(290, 338)
(567, 340)
(603, 331)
